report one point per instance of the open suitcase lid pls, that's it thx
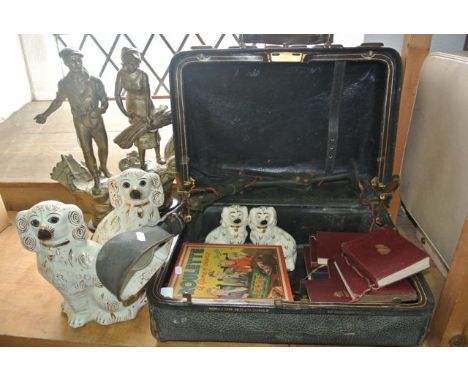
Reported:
(297, 114)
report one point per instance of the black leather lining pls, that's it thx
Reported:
(334, 115)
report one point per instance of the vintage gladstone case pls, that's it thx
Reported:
(311, 132)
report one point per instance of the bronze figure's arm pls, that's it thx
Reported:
(146, 88)
(56, 103)
(102, 95)
(118, 94)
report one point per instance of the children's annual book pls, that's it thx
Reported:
(218, 271)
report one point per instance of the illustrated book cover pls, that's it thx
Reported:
(219, 271)
(384, 257)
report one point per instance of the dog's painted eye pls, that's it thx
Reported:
(142, 183)
(35, 223)
(53, 219)
(126, 185)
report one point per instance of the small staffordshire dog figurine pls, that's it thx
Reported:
(263, 230)
(233, 228)
(136, 196)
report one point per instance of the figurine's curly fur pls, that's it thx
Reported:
(233, 226)
(67, 259)
(136, 196)
(263, 230)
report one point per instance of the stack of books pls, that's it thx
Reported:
(365, 267)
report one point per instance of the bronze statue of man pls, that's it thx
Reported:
(88, 101)
(144, 118)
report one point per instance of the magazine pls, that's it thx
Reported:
(219, 271)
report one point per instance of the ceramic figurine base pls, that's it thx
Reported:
(67, 259)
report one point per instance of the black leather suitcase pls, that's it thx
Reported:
(310, 131)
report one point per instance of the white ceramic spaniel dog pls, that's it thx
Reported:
(263, 230)
(136, 196)
(233, 228)
(65, 258)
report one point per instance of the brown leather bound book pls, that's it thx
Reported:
(384, 257)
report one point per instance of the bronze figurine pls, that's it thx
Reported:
(88, 101)
(145, 120)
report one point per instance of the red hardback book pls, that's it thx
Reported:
(355, 284)
(327, 290)
(329, 244)
(384, 257)
(310, 260)
(359, 288)
(313, 248)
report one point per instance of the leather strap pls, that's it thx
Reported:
(334, 115)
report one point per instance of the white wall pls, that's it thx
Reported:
(440, 42)
(447, 42)
(14, 82)
(43, 65)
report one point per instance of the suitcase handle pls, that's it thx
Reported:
(286, 39)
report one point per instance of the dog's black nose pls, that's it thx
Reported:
(264, 222)
(135, 194)
(237, 221)
(43, 234)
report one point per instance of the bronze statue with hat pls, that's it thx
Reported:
(88, 101)
(144, 118)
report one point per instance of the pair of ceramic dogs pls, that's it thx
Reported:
(262, 222)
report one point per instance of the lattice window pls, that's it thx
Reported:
(102, 53)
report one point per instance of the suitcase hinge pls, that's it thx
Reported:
(385, 191)
(377, 195)
(184, 192)
(189, 184)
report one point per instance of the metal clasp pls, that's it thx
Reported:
(286, 57)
